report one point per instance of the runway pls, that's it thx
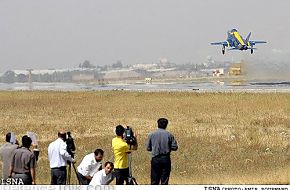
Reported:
(215, 86)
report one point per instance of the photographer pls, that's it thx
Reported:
(161, 143)
(121, 149)
(90, 165)
(58, 157)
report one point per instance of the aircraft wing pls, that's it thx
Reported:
(257, 42)
(224, 43)
(234, 48)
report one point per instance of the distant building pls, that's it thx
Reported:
(145, 66)
(121, 75)
(236, 69)
(50, 75)
(83, 77)
(171, 74)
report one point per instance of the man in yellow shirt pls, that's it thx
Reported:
(121, 150)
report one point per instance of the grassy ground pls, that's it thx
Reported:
(224, 138)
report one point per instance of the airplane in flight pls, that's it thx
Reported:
(236, 42)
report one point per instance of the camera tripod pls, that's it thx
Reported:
(69, 173)
(131, 179)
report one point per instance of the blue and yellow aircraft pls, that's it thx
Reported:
(236, 42)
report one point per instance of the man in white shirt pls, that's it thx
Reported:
(104, 176)
(90, 165)
(58, 157)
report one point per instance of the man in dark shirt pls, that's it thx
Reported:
(161, 143)
(23, 163)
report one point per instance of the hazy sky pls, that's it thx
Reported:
(63, 33)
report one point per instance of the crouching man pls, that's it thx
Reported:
(104, 176)
(90, 165)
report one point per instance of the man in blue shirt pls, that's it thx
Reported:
(161, 143)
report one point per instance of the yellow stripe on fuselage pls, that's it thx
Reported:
(228, 43)
(239, 38)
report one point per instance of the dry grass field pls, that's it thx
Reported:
(224, 138)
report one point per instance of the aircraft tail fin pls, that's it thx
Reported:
(248, 38)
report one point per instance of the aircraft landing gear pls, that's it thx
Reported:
(223, 50)
(252, 51)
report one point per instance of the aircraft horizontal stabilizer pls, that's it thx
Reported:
(219, 43)
(257, 42)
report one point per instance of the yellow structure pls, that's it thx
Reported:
(236, 69)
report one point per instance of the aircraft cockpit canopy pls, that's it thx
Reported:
(233, 30)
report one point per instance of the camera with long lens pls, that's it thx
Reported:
(129, 136)
(70, 145)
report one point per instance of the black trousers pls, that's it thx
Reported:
(121, 176)
(58, 176)
(160, 170)
(83, 179)
(25, 177)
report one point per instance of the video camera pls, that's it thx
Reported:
(70, 145)
(132, 141)
(129, 136)
(71, 148)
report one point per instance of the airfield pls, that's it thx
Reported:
(224, 138)
(237, 84)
